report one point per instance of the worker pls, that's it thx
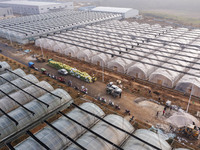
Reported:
(170, 128)
(120, 95)
(128, 112)
(131, 119)
(94, 79)
(163, 112)
(149, 91)
(157, 114)
(69, 83)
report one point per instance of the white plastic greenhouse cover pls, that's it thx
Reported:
(71, 51)
(7, 105)
(4, 65)
(141, 70)
(24, 118)
(167, 77)
(189, 84)
(10, 76)
(92, 142)
(48, 44)
(86, 55)
(121, 64)
(53, 139)
(101, 59)
(148, 136)
(9, 88)
(59, 47)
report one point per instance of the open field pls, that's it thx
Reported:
(174, 17)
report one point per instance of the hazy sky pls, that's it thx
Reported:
(187, 5)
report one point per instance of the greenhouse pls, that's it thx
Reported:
(8, 105)
(71, 51)
(85, 54)
(121, 64)
(169, 78)
(10, 76)
(56, 141)
(13, 85)
(190, 84)
(148, 52)
(141, 70)
(91, 141)
(148, 136)
(24, 29)
(4, 65)
(101, 59)
(25, 118)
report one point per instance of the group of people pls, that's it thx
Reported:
(164, 111)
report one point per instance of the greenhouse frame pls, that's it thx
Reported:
(88, 132)
(25, 102)
(29, 28)
(161, 55)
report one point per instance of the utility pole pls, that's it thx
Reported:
(9, 38)
(42, 51)
(102, 72)
(189, 99)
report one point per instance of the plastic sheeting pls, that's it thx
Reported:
(23, 28)
(167, 77)
(71, 51)
(120, 37)
(148, 136)
(122, 64)
(92, 142)
(10, 76)
(24, 118)
(53, 139)
(86, 55)
(143, 71)
(9, 88)
(181, 119)
(7, 105)
(4, 65)
(101, 59)
(190, 84)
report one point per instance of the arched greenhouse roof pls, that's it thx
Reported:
(24, 118)
(10, 76)
(148, 136)
(9, 88)
(4, 65)
(7, 105)
(53, 139)
(91, 141)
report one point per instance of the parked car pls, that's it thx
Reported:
(62, 72)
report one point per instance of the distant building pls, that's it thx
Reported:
(125, 12)
(86, 8)
(5, 12)
(33, 7)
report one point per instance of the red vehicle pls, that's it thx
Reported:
(61, 79)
